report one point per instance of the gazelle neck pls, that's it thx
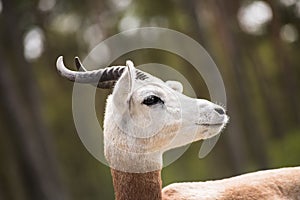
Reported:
(137, 186)
(135, 165)
(135, 176)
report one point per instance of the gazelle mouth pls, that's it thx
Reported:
(209, 125)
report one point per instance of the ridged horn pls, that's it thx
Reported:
(78, 65)
(103, 78)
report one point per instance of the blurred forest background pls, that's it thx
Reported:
(255, 44)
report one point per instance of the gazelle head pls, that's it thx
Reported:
(145, 115)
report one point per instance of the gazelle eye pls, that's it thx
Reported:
(152, 100)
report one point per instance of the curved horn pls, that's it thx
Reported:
(103, 78)
(78, 65)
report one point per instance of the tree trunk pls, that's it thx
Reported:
(235, 140)
(286, 73)
(22, 111)
(225, 14)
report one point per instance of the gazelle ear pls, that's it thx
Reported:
(175, 85)
(124, 86)
(131, 74)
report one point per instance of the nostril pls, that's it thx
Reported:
(220, 111)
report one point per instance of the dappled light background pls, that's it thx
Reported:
(255, 45)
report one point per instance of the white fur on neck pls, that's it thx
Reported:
(126, 153)
(132, 162)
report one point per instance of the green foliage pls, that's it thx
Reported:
(261, 74)
(284, 151)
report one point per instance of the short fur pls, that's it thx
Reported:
(276, 184)
(129, 186)
(136, 136)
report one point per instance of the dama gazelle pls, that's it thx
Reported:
(145, 117)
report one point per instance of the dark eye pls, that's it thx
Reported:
(151, 100)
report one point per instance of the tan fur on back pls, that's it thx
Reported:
(145, 117)
(278, 184)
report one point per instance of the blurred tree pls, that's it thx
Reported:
(24, 123)
(224, 15)
(41, 155)
(285, 69)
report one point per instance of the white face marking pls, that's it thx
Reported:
(148, 116)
